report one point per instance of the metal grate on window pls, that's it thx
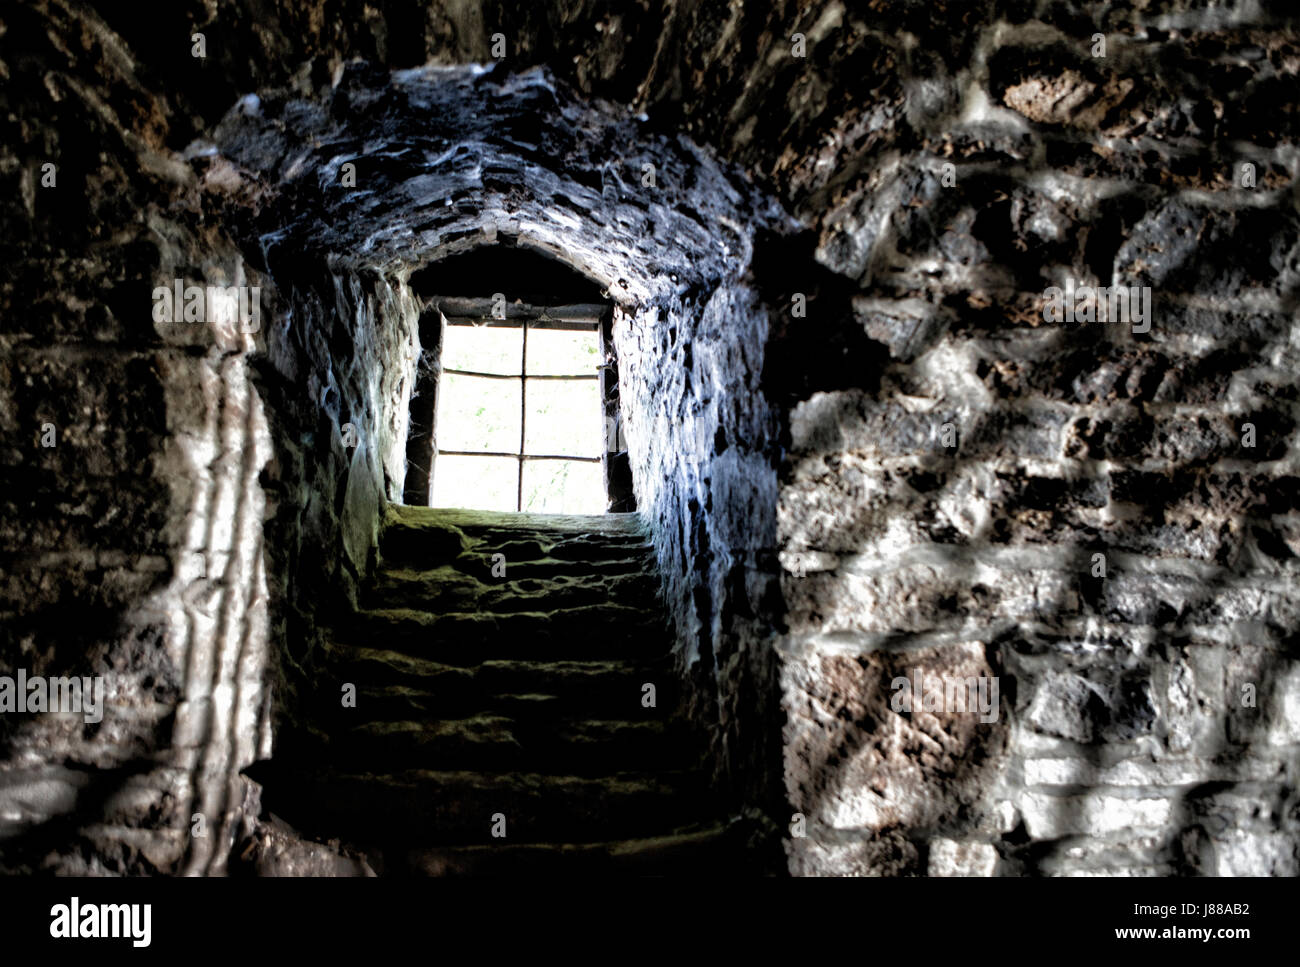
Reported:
(544, 358)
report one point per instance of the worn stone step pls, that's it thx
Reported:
(477, 522)
(442, 589)
(606, 689)
(458, 808)
(392, 685)
(489, 742)
(691, 851)
(386, 668)
(479, 564)
(406, 536)
(477, 556)
(446, 589)
(429, 536)
(525, 543)
(605, 631)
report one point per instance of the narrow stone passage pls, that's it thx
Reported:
(514, 707)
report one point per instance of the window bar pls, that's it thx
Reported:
(470, 372)
(523, 417)
(519, 456)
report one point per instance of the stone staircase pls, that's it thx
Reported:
(500, 664)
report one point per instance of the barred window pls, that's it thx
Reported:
(520, 421)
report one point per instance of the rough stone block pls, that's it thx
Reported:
(952, 858)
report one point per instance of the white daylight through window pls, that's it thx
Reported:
(519, 422)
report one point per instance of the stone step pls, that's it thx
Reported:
(480, 564)
(478, 522)
(460, 808)
(431, 537)
(489, 742)
(528, 543)
(608, 689)
(447, 589)
(440, 589)
(694, 850)
(407, 536)
(394, 704)
(605, 631)
(391, 685)
(387, 669)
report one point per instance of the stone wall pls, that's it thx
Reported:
(702, 441)
(337, 377)
(166, 522)
(132, 449)
(928, 465)
(1099, 530)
